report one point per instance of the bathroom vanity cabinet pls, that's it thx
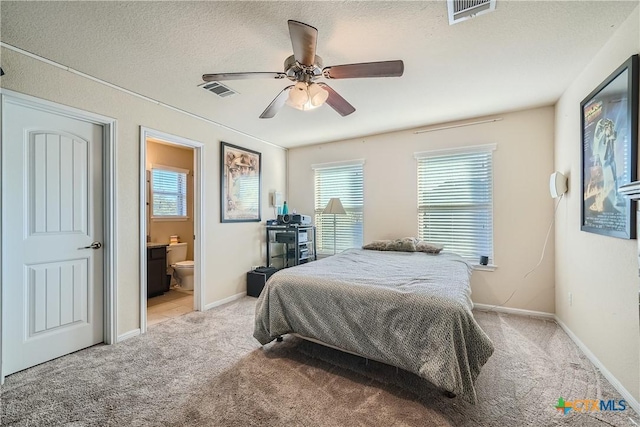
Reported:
(156, 269)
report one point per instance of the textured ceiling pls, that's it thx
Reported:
(522, 55)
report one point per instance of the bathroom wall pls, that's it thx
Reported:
(159, 230)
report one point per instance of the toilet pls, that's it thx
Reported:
(182, 268)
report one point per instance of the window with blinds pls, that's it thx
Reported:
(455, 201)
(169, 192)
(345, 182)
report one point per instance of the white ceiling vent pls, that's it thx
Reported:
(461, 10)
(218, 88)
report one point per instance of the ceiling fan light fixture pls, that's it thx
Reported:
(298, 96)
(307, 96)
(317, 95)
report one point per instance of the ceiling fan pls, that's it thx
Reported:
(304, 67)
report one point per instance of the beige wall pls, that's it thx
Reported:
(601, 272)
(522, 206)
(177, 157)
(229, 249)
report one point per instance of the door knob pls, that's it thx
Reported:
(94, 245)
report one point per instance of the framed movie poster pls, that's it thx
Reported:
(241, 171)
(609, 152)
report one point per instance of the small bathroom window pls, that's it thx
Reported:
(168, 192)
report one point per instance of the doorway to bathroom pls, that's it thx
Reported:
(171, 201)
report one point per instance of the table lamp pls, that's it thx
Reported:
(334, 207)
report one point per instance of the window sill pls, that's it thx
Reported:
(170, 218)
(489, 267)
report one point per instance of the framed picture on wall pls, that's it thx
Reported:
(609, 117)
(241, 171)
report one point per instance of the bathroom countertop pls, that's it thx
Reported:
(156, 245)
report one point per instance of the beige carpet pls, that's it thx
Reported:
(205, 369)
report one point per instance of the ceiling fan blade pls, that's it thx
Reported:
(337, 102)
(303, 40)
(241, 76)
(365, 69)
(276, 104)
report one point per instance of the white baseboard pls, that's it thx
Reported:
(128, 335)
(224, 301)
(516, 311)
(605, 372)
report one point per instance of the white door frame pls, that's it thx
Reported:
(198, 217)
(109, 203)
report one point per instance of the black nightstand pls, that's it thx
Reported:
(256, 280)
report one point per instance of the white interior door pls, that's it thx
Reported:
(52, 213)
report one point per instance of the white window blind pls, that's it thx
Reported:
(455, 201)
(169, 192)
(344, 181)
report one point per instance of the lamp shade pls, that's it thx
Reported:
(317, 95)
(334, 207)
(298, 96)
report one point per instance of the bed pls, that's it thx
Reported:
(408, 309)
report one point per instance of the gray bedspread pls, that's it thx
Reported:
(410, 310)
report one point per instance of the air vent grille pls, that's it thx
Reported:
(218, 88)
(461, 10)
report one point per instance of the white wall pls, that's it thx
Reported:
(522, 206)
(601, 272)
(230, 249)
